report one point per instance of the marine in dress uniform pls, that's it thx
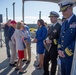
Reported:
(66, 41)
(52, 53)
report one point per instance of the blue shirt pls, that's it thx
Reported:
(27, 28)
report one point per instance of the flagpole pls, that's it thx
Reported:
(23, 10)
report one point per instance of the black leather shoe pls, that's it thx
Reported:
(28, 62)
(36, 65)
(38, 68)
(16, 69)
(24, 60)
(13, 65)
(22, 72)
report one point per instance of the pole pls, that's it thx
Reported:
(0, 36)
(13, 11)
(6, 14)
(23, 10)
(39, 14)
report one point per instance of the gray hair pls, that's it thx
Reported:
(19, 25)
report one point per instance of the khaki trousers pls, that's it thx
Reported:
(27, 51)
(13, 52)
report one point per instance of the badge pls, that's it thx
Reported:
(54, 31)
(73, 25)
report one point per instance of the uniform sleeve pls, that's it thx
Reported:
(69, 51)
(44, 35)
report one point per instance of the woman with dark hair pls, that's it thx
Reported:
(41, 35)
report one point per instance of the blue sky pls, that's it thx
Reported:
(32, 9)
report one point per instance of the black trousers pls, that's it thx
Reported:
(47, 58)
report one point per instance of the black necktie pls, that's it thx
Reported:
(66, 23)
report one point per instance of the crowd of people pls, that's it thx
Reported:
(18, 41)
(53, 43)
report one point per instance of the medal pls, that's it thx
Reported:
(73, 25)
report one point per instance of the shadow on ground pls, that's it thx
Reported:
(37, 71)
(5, 69)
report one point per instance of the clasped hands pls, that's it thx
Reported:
(61, 54)
(47, 41)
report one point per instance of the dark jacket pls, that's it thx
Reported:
(10, 32)
(54, 36)
(6, 28)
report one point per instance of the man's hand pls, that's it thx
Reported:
(48, 41)
(61, 53)
(26, 41)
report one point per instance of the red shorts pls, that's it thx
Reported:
(21, 54)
